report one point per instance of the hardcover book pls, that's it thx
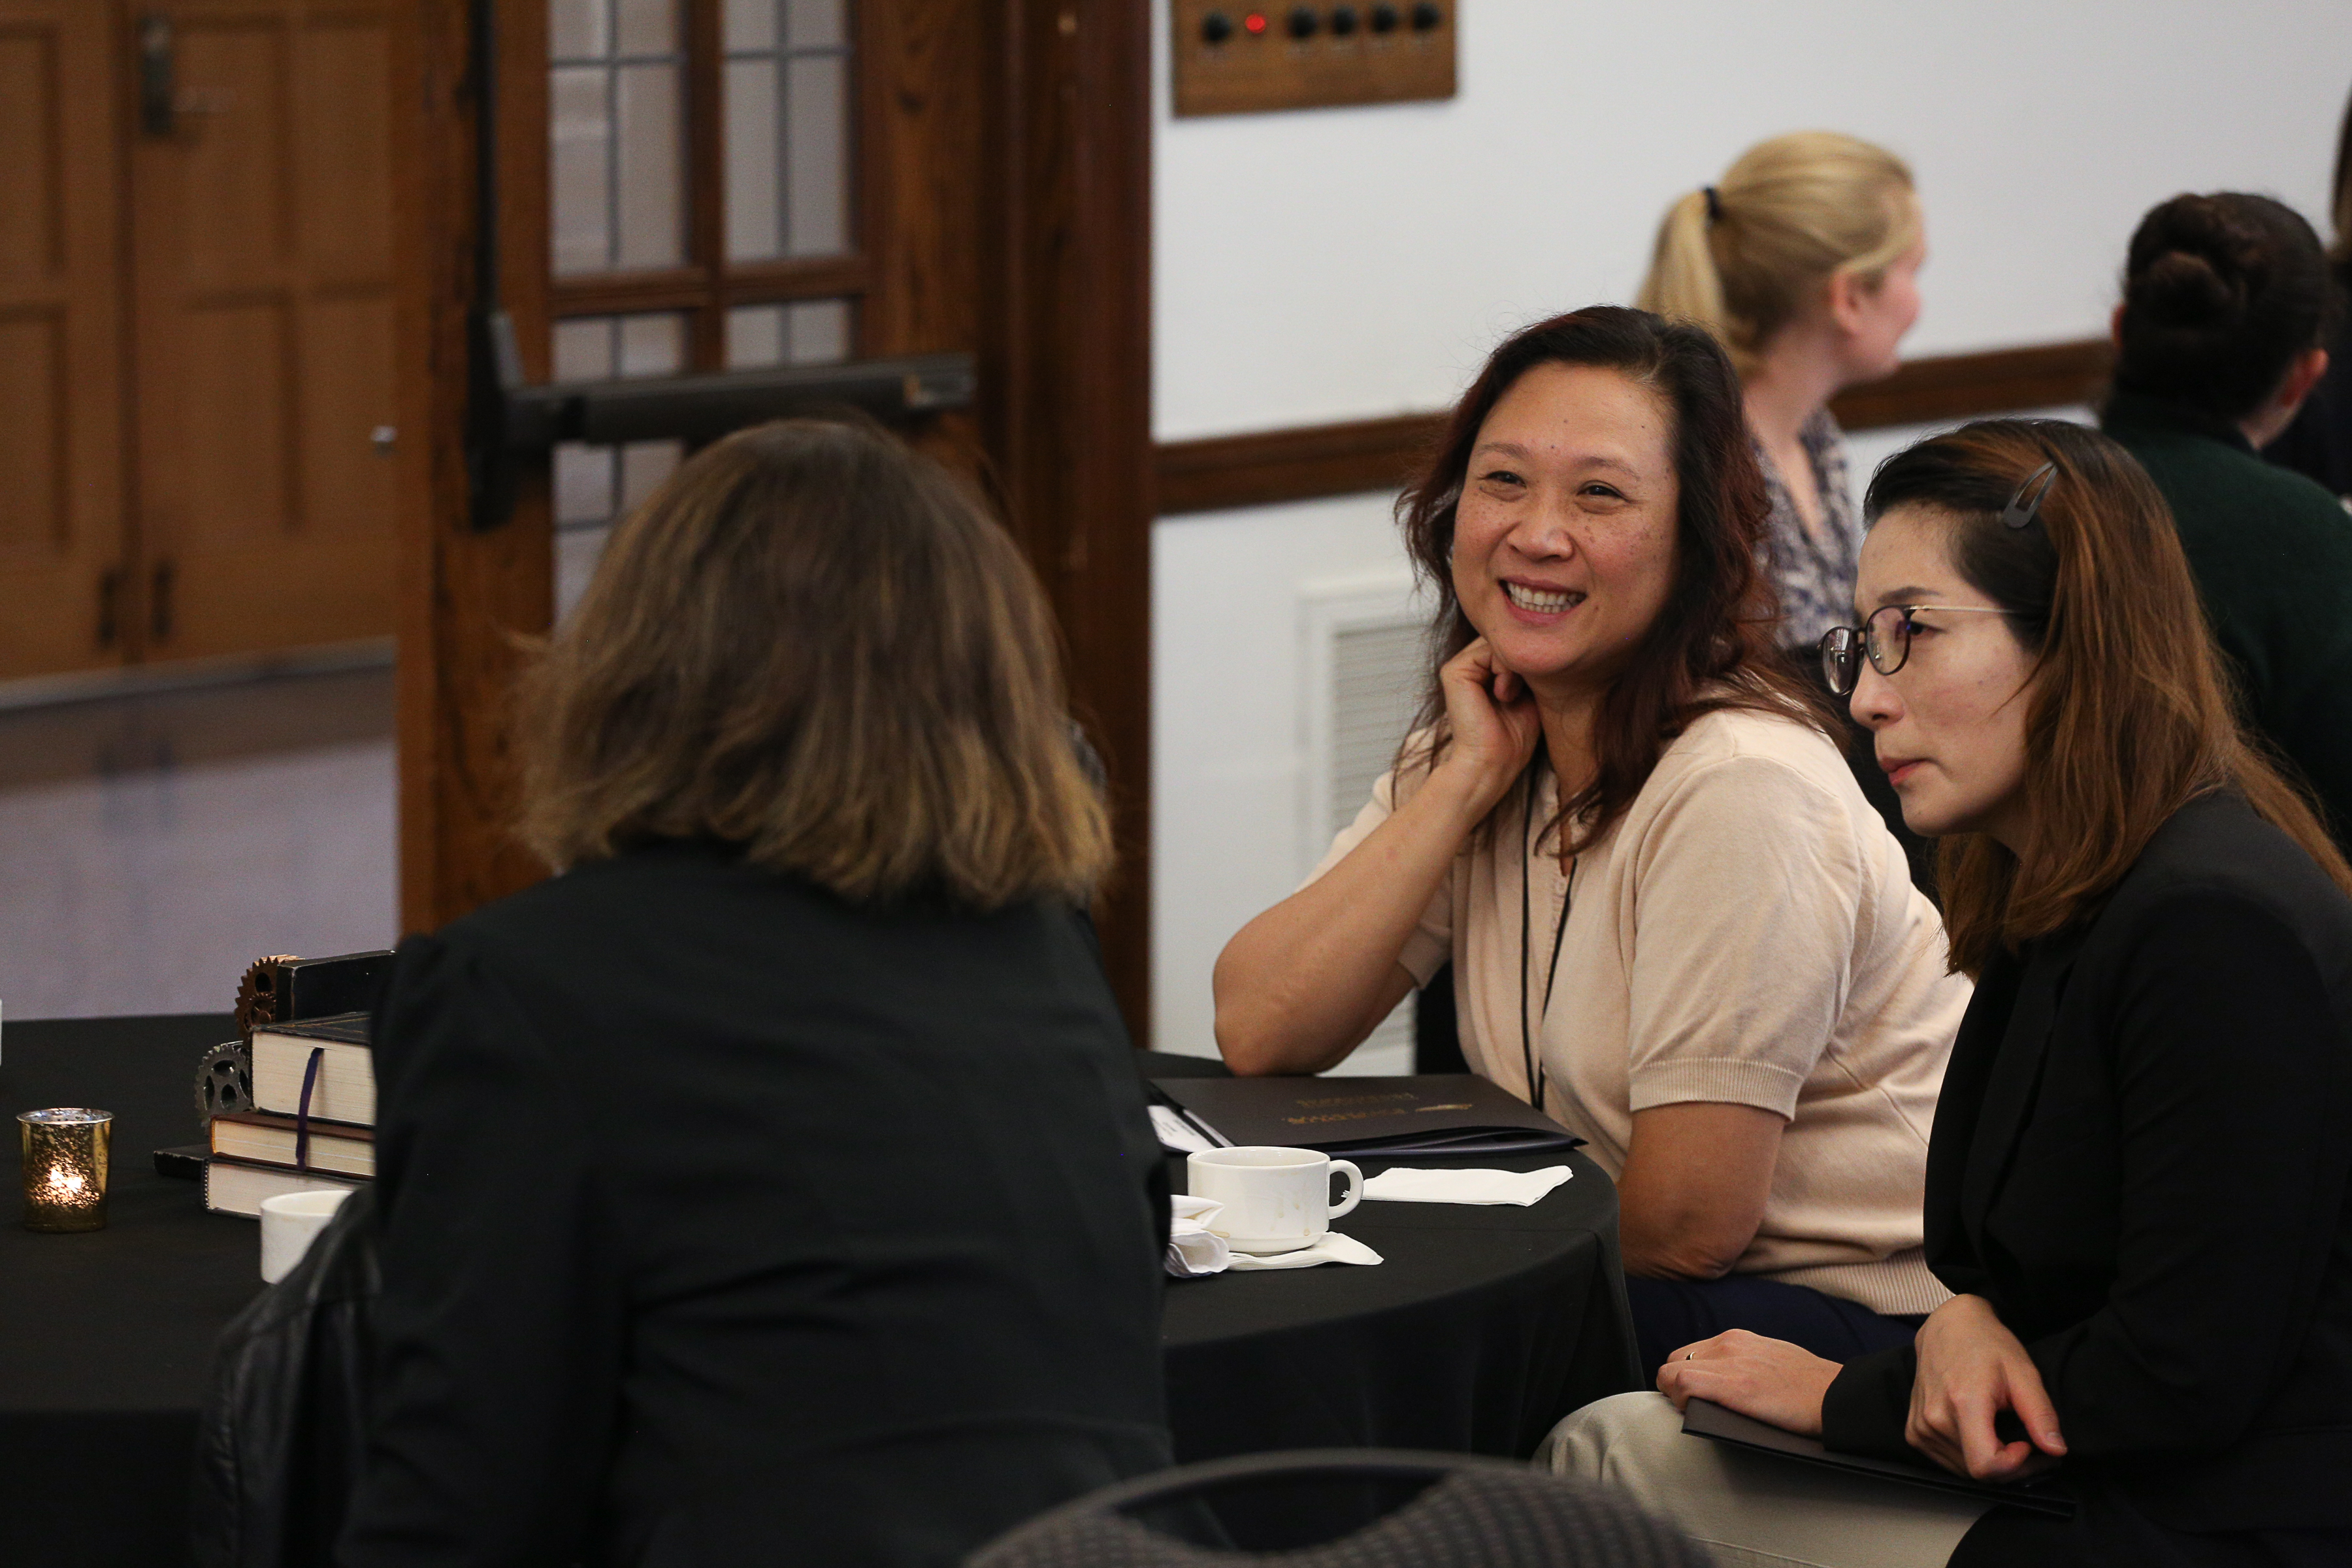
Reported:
(1441, 1114)
(344, 1088)
(231, 1186)
(258, 1138)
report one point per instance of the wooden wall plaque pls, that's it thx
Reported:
(1247, 58)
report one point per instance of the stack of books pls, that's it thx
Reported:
(313, 1121)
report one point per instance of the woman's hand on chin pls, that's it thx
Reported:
(1971, 1368)
(1770, 1379)
(1494, 722)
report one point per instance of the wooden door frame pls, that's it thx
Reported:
(1062, 319)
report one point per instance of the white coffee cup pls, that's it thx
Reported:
(1277, 1200)
(290, 1222)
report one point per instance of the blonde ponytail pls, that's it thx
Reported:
(1682, 279)
(1791, 212)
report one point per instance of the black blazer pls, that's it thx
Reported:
(2140, 1159)
(726, 1222)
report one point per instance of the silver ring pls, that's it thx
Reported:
(1690, 1355)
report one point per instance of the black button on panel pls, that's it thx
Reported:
(1343, 21)
(1303, 22)
(1385, 18)
(1427, 16)
(1216, 28)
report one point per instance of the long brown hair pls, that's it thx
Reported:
(2129, 718)
(816, 644)
(1711, 646)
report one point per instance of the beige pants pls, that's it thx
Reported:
(1753, 1511)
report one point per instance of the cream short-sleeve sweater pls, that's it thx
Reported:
(1748, 933)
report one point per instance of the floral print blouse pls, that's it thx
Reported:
(1814, 573)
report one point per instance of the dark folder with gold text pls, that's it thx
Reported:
(1429, 1114)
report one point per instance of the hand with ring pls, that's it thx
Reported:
(1770, 1379)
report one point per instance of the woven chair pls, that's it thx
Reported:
(1478, 1514)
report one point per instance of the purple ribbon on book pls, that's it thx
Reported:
(302, 1110)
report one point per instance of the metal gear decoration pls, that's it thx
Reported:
(225, 1080)
(256, 994)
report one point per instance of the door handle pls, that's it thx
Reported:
(110, 607)
(159, 603)
(158, 113)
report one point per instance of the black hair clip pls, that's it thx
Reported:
(2021, 513)
(1714, 202)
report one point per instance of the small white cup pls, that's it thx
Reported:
(290, 1222)
(1277, 1200)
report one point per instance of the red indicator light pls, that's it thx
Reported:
(1255, 23)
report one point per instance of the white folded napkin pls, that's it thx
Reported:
(1421, 1186)
(1333, 1248)
(1193, 1249)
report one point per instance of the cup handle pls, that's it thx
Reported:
(1355, 1187)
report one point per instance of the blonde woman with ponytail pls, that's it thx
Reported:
(1803, 260)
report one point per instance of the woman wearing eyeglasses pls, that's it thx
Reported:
(2140, 1184)
(1674, 921)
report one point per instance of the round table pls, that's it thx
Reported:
(1480, 1328)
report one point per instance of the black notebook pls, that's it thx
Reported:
(1704, 1418)
(1431, 1114)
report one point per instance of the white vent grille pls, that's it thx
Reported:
(1365, 669)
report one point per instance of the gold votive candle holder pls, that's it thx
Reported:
(65, 1155)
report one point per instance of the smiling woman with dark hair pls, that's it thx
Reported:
(1674, 922)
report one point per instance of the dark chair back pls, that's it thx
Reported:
(280, 1441)
(1472, 1513)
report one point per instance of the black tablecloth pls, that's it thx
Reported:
(1482, 1327)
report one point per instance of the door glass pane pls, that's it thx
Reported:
(750, 25)
(578, 29)
(807, 332)
(595, 486)
(788, 129)
(616, 130)
(816, 24)
(580, 175)
(817, 152)
(652, 185)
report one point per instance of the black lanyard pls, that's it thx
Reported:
(1529, 1060)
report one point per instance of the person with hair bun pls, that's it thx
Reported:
(2319, 444)
(1804, 260)
(2139, 1187)
(2228, 303)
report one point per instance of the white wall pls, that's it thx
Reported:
(1340, 264)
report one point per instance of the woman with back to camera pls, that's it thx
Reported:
(775, 1184)
(2317, 442)
(2228, 303)
(1674, 922)
(1804, 259)
(2139, 1178)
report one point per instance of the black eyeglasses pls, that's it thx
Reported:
(1884, 636)
(1888, 643)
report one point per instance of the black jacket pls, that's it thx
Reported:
(728, 1223)
(2140, 1159)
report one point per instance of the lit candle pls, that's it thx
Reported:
(65, 1158)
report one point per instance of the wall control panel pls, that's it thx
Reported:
(1242, 60)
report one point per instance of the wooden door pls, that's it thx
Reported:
(62, 540)
(263, 319)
